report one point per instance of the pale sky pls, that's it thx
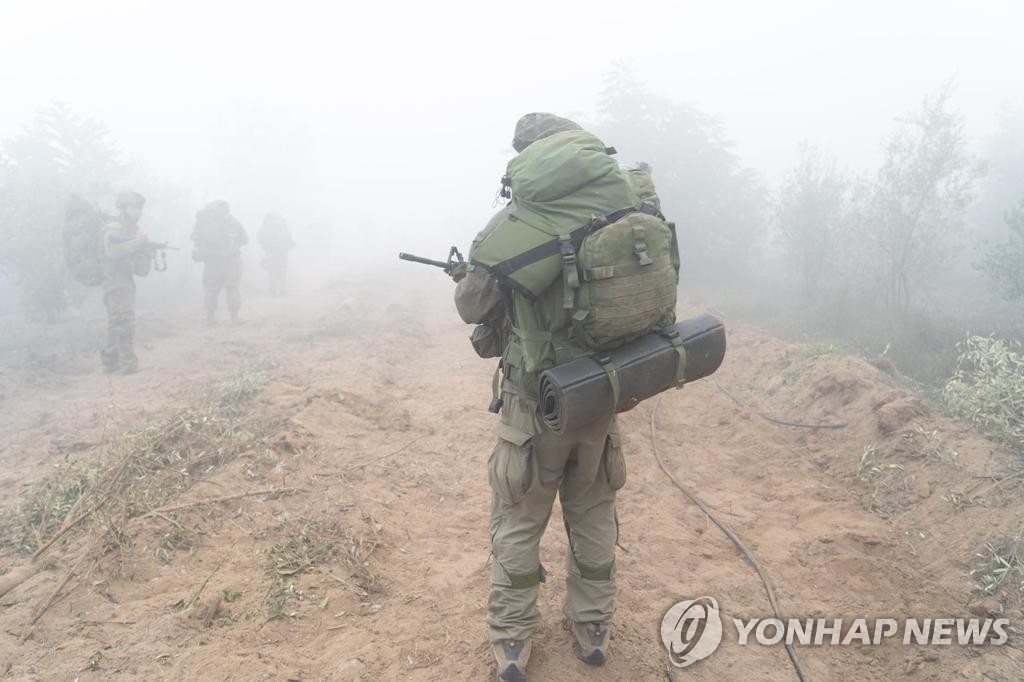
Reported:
(390, 107)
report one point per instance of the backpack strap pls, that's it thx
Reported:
(496, 400)
(560, 246)
(554, 246)
(569, 270)
(672, 335)
(537, 253)
(613, 375)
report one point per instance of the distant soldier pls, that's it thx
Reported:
(219, 239)
(126, 254)
(276, 240)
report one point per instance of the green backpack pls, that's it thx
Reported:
(83, 240)
(575, 220)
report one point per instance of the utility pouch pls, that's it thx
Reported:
(485, 341)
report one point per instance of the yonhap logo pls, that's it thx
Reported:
(691, 630)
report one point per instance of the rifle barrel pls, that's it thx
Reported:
(425, 261)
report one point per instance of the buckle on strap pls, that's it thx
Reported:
(640, 246)
(566, 249)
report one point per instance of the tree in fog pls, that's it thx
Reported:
(56, 154)
(914, 209)
(1004, 157)
(1004, 263)
(717, 203)
(1003, 230)
(809, 214)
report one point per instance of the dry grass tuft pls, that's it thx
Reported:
(137, 471)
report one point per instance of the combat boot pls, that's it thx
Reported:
(512, 656)
(591, 641)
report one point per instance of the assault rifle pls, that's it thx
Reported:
(454, 258)
(161, 246)
(158, 250)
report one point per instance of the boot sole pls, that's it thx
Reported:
(512, 674)
(594, 658)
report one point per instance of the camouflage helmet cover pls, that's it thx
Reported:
(537, 126)
(129, 198)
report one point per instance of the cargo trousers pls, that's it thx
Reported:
(528, 467)
(119, 349)
(222, 272)
(277, 269)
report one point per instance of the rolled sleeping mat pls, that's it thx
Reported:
(579, 392)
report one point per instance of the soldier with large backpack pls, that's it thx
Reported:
(218, 239)
(126, 254)
(578, 262)
(106, 251)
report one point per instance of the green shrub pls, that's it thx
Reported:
(987, 388)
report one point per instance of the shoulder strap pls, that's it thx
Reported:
(555, 245)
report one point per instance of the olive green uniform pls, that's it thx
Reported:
(528, 467)
(219, 239)
(222, 272)
(125, 256)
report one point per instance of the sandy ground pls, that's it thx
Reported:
(375, 412)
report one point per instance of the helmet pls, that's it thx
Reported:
(129, 198)
(216, 209)
(537, 126)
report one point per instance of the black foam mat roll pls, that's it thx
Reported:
(579, 392)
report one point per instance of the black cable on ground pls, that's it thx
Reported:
(773, 420)
(728, 533)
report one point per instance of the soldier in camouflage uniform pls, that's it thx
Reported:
(126, 254)
(219, 239)
(528, 467)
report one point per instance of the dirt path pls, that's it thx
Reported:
(376, 568)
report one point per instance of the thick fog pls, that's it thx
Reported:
(396, 117)
(386, 126)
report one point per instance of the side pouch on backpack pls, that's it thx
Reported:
(485, 341)
(83, 241)
(628, 281)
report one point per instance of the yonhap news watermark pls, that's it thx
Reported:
(692, 630)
